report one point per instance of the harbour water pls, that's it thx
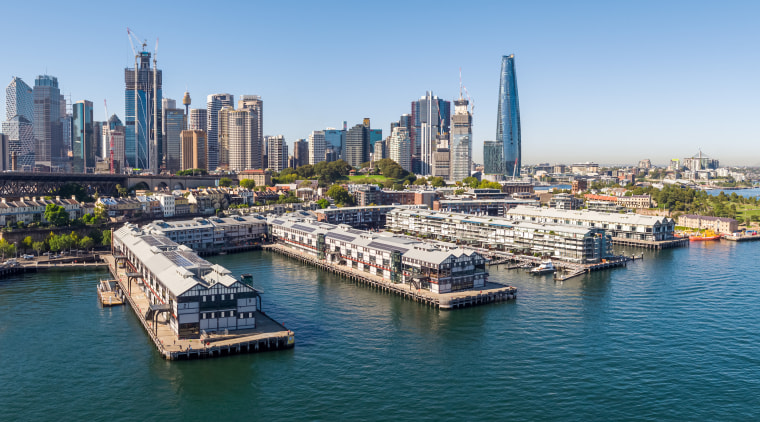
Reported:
(671, 337)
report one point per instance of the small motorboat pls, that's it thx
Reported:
(546, 267)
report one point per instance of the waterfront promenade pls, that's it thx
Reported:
(490, 293)
(268, 334)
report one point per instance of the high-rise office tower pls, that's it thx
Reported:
(48, 128)
(173, 123)
(18, 127)
(375, 135)
(461, 140)
(378, 151)
(508, 118)
(256, 105)
(142, 98)
(4, 153)
(19, 100)
(442, 163)
(97, 138)
(197, 119)
(335, 139)
(493, 157)
(301, 152)
(214, 103)
(82, 137)
(400, 148)
(114, 133)
(245, 150)
(357, 144)
(277, 153)
(193, 149)
(431, 117)
(224, 137)
(316, 147)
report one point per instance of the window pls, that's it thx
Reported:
(232, 296)
(222, 297)
(222, 314)
(204, 298)
(212, 298)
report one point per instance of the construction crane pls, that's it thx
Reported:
(110, 133)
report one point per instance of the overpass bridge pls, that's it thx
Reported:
(19, 184)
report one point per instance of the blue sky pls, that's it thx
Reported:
(610, 82)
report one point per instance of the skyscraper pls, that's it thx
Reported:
(82, 137)
(316, 147)
(197, 119)
(277, 153)
(48, 128)
(173, 123)
(193, 149)
(214, 103)
(18, 127)
(245, 150)
(142, 98)
(335, 139)
(400, 148)
(508, 118)
(301, 152)
(114, 132)
(461, 141)
(357, 145)
(224, 137)
(431, 117)
(493, 158)
(256, 106)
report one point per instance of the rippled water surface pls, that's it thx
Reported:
(671, 337)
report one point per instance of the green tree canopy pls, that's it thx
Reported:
(340, 195)
(56, 215)
(225, 182)
(247, 183)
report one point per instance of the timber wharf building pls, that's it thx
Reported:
(194, 294)
(620, 226)
(212, 234)
(582, 245)
(440, 268)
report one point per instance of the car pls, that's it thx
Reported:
(27, 256)
(46, 253)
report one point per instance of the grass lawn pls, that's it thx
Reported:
(374, 178)
(747, 210)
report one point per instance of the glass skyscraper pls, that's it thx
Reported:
(48, 129)
(140, 98)
(493, 160)
(508, 119)
(19, 114)
(82, 137)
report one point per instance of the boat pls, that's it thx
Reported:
(546, 267)
(706, 235)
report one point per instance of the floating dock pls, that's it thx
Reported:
(652, 244)
(109, 293)
(268, 334)
(490, 293)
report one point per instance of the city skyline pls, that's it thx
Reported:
(598, 82)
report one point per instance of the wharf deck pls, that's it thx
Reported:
(652, 244)
(490, 293)
(566, 271)
(741, 238)
(268, 334)
(108, 294)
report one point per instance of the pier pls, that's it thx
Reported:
(652, 244)
(268, 334)
(491, 293)
(566, 270)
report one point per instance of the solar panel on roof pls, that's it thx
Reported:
(342, 237)
(278, 222)
(385, 247)
(304, 228)
(356, 231)
(178, 259)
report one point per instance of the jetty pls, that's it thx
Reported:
(490, 293)
(266, 336)
(566, 270)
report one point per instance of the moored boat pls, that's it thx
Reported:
(546, 267)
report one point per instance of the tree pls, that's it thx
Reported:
(437, 182)
(225, 182)
(471, 182)
(7, 249)
(247, 183)
(27, 243)
(56, 215)
(323, 203)
(121, 191)
(340, 195)
(106, 238)
(86, 243)
(421, 181)
(39, 247)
